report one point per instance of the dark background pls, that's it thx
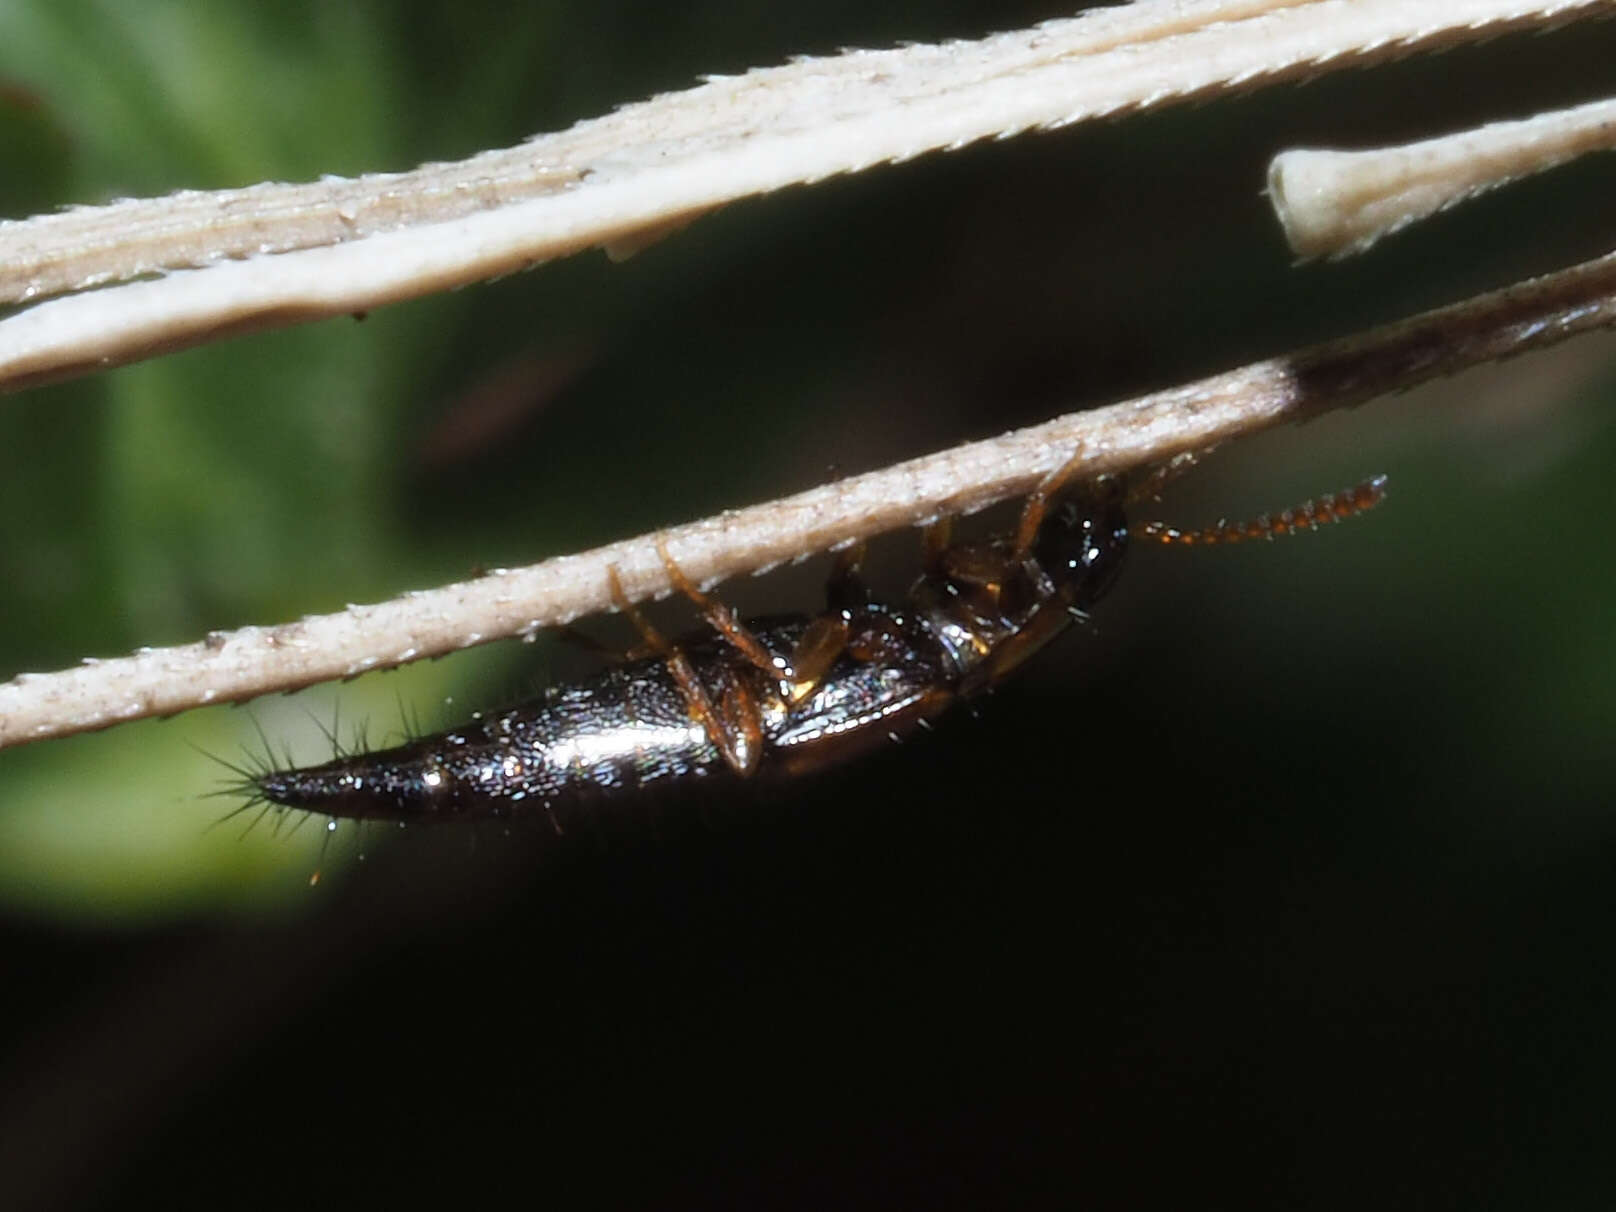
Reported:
(1288, 884)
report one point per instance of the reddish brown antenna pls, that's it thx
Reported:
(1311, 515)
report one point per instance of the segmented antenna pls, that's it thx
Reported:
(1311, 515)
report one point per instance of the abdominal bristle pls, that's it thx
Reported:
(255, 782)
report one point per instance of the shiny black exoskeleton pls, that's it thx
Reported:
(781, 696)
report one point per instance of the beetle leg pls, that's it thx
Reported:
(814, 654)
(826, 637)
(845, 590)
(1046, 622)
(725, 623)
(584, 642)
(743, 726)
(1037, 503)
(875, 637)
(935, 540)
(735, 727)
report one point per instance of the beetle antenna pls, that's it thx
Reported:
(1310, 516)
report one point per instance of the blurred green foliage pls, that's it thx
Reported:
(248, 482)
